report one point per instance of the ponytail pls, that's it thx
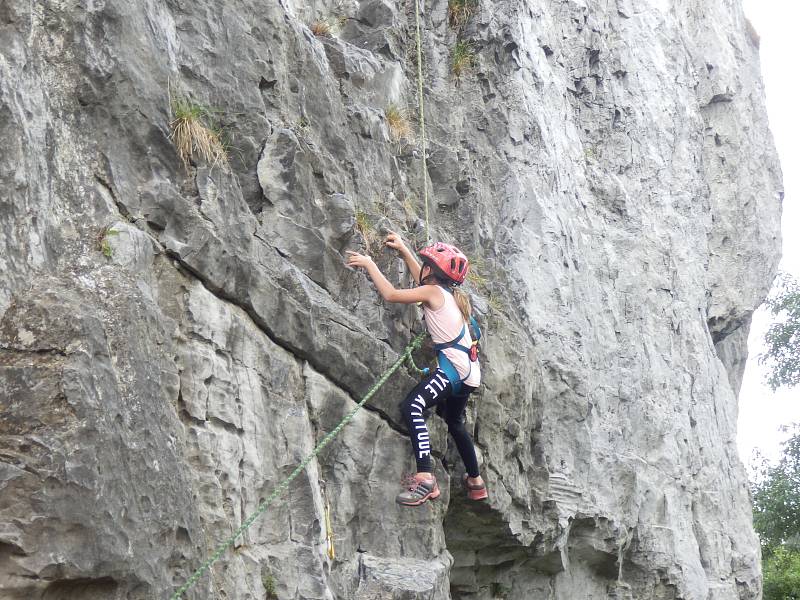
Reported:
(463, 302)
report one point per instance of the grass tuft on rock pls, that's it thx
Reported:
(463, 57)
(268, 581)
(364, 226)
(477, 266)
(496, 304)
(409, 205)
(321, 28)
(399, 125)
(476, 279)
(459, 11)
(103, 243)
(193, 134)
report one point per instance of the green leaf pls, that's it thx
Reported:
(782, 340)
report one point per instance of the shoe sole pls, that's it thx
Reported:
(475, 493)
(478, 494)
(432, 496)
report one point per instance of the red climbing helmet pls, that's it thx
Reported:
(446, 260)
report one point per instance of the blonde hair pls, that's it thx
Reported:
(463, 302)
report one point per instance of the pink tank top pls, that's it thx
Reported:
(444, 325)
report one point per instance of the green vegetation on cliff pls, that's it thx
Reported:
(776, 504)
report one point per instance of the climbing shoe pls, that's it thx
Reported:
(418, 490)
(475, 491)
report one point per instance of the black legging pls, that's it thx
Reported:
(430, 392)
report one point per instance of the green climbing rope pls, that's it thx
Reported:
(422, 123)
(415, 344)
(415, 368)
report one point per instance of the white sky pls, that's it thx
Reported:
(762, 412)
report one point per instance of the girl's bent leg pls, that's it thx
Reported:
(427, 394)
(454, 416)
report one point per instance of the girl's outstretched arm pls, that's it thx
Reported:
(426, 293)
(393, 240)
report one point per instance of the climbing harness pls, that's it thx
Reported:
(444, 363)
(447, 366)
(414, 345)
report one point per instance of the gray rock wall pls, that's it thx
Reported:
(173, 342)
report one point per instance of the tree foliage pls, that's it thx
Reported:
(782, 357)
(782, 575)
(776, 506)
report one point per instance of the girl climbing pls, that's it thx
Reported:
(447, 313)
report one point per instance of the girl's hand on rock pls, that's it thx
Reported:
(358, 260)
(393, 240)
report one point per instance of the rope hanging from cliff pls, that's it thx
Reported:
(415, 344)
(406, 356)
(421, 104)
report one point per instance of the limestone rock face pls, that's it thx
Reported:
(174, 341)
